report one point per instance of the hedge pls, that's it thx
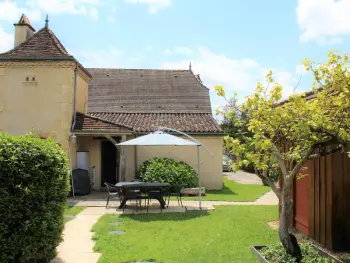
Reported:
(169, 171)
(34, 176)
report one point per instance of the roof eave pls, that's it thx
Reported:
(25, 25)
(63, 58)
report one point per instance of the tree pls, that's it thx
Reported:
(303, 127)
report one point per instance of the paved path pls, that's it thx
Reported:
(77, 245)
(243, 177)
(267, 199)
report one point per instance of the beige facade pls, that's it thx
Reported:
(211, 166)
(22, 32)
(26, 89)
(38, 97)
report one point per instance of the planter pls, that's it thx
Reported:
(256, 249)
(193, 191)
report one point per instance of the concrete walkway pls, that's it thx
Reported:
(77, 246)
(243, 177)
(267, 199)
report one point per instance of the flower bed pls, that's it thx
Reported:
(276, 254)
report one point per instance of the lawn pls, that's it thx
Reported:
(71, 211)
(233, 191)
(223, 235)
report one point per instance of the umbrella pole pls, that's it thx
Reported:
(199, 178)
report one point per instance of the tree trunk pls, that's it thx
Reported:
(288, 240)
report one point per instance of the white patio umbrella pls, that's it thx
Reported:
(160, 138)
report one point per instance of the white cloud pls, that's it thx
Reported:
(237, 75)
(110, 19)
(153, 5)
(183, 50)
(323, 21)
(6, 42)
(300, 69)
(11, 12)
(186, 51)
(94, 13)
(167, 52)
(109, 58)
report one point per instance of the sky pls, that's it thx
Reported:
(228, 42)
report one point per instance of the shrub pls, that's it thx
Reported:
(33, 189)
(276, 253)
(168, 171)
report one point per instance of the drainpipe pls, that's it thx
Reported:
(75, 98)
(73, 125)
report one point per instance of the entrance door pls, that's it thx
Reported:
(109, 163)
(302, 200)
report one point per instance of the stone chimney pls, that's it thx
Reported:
(23, 30)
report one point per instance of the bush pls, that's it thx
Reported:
(33, 189)
(276, 253)
(168, 171)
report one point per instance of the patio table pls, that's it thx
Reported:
(143, 186)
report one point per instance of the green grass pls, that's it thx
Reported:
(72, 211)
(233, 191)
(223, 235)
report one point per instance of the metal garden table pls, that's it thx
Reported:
(143, 187)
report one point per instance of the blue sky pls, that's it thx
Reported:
(229, 42)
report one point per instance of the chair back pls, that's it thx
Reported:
(135, 180)
(111, 187)
(177, 188)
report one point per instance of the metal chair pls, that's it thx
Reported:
(154, 194)
(112, 191)
(133, 194)
(175, 190)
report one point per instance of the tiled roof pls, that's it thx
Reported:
(148, 122)
(43, 44)
(90, 124)
(25, 21)
(147, 91)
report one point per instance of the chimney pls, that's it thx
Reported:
(23, 30)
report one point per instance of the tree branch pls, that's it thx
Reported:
(300, 164)
(267, 180)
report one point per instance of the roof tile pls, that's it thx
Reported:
(147, 91)
(143, 122)
(43, 44)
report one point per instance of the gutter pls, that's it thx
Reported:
(73, 125)
(189, 133)
(75, 99)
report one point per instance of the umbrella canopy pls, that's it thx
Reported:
(159, 138)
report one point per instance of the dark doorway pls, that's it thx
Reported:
(109, 163)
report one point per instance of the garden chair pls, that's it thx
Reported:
(134, 194)
(112, 191)
(175, 190)
(154, 194)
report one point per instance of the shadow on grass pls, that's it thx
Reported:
(224, 191)
(189, 215)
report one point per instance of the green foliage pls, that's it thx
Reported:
(169, 171)
(276, 253)
(320, 124)
(33, 189)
